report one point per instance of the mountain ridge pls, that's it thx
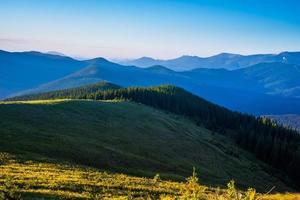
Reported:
(24, 70)
(264, 88)
(224, 87)
(223, 60)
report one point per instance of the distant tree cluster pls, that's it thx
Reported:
(270, 142)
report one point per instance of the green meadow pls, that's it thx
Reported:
(84, 148)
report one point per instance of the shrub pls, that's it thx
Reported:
(234, 194)
(9, 191)
(156, 178)
(192, 189)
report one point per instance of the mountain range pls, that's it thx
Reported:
(224, 60)
(263, 88)
(100, 115)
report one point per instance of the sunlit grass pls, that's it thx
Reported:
(76, 182)
(52, 101)
(282, 197)
(53, 181)
(35, 101)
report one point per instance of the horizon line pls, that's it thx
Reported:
(78, 57)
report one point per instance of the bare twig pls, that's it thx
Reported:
(268, 192)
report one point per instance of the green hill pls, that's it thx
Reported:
(268, 141)
(127, 137)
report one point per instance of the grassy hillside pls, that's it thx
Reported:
(102, 135)
(265, 139)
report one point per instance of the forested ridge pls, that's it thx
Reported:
(70, 92)
(270, 142)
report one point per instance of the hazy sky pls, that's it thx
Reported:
(161, 29)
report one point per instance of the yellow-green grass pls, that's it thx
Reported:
(50, 101)
(129, 138)
(62, 180)
(56, 180)
(286, 196)
(33, 180)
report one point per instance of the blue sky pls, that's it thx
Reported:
(161, 29)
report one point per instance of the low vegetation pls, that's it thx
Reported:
(44, 180)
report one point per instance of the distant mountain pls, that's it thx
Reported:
(264, 88)
(288, 120)
(55, 53)
(268, 78)
(232, 89)
(160, 69)
(223, 60)
(142, 62)
(24, 70)
(277, 78)
(100, 69)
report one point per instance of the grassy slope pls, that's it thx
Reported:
(57, 181)
(125, 137)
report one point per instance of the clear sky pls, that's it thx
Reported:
(161, 29)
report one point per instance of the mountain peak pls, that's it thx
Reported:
(98, 60)
(227, 55)
(55, 53)
(291, 53)
(159, 69)
(188, 56)
(145, 58)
